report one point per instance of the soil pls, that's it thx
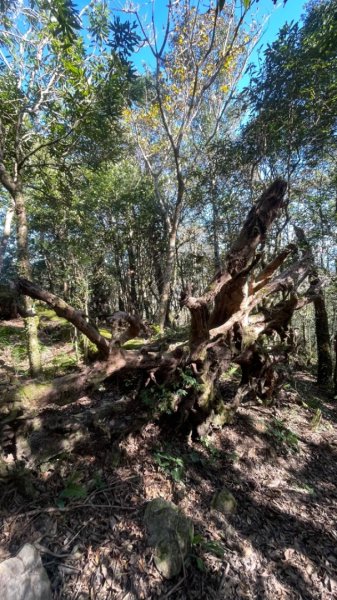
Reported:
(83, 508)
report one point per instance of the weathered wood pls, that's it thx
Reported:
(65, 389)
(269, 270)
(125, 327)
(227, 290)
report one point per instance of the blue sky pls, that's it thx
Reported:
(279, 15)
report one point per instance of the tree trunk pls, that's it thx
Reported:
(171, 254)
(215, 235)
(30, 318)
(335, 371)
(6, 232)
(167, 280)
(132, 274)
(324, 359)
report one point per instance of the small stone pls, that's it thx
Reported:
(170, 533)
(24, 577)
(224, 502)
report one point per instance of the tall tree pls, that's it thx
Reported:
(198, 63)
(55, 94)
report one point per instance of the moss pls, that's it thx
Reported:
(48, 314)
(105, 332)
(206, 396)
(170, 533)
(60, 365)
(133, 344)
(88, 349)
(64, 360)
(249, 336)
(28, 394)
(43, 311)
(13, 341)
(224, 502)
(222, 415)
(9, 334)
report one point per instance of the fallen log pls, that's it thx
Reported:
(63, 390)
(62, 309)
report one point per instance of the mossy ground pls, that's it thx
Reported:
(56, 346)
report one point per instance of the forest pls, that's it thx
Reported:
(168, 300)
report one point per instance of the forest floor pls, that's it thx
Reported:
(82, 503)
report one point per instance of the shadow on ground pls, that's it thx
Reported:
(79, 476)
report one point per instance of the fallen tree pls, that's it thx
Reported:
(243, 317)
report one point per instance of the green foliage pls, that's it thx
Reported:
(201, 545)
(285, 439)
(62, 363)
(8, 334)
(164, 398)
(133, 344)
(158, 399)
(98, 482)
(312, 402)
(67, 18)
(173, 466)
(124, 38)
(233, 457)
(207, 444)
(73, 490)
(297, 86)
(20, 478)
(302, 486)
(12, 341)
(231, 372)
(188, 380)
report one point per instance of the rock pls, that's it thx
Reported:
(170, 533)
(24, 577)
(224, 502)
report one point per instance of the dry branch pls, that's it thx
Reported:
(66, 311)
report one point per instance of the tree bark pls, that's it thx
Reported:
(171, 251)
(167, 280)
(335, 371)
(68, 387)
(324, 359)
(30, 318)
(62, 309)
(215, 227)
(6, 232)
(132, 275)
(228, 289)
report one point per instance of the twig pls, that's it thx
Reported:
(69, 567)
(45, 550)
(55, 509)
(78, 532)
(172, 590)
